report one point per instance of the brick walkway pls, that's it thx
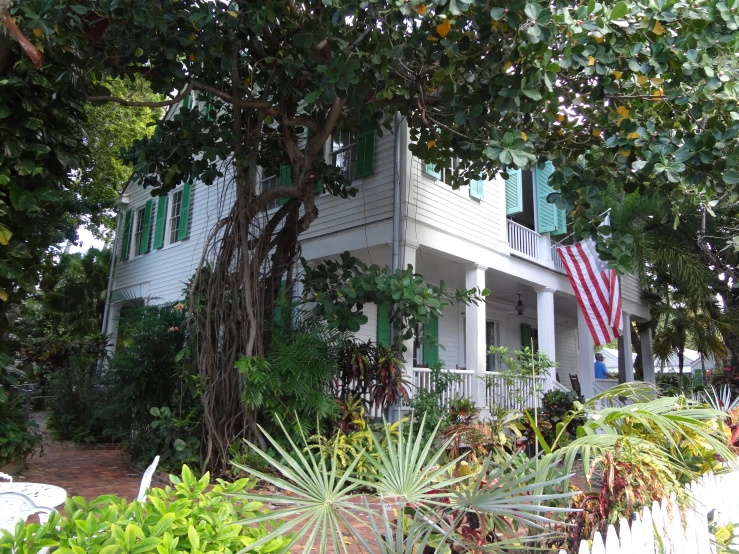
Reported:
(81, 472)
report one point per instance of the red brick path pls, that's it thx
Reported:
(81, 472)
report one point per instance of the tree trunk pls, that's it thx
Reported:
(636, 343)
(680, 359)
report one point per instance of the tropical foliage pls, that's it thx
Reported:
(423, 500)
(187, 516)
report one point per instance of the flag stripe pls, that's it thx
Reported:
(596, 289)
(597, 307)
(577, 285)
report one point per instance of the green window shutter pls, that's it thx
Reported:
(160, 222)
(430, 170)
(126, 243)
(431, 334)
(561, 223)
(525, 335)
(184, 212)
(514, 193)
(383, 325)
(146, 232)
(477, 189)
(546, 212)
(365, 153)
(187, 101)
(286, 179)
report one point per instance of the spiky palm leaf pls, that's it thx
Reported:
(322, 505)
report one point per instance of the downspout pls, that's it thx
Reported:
(111, 275)
(396, 196)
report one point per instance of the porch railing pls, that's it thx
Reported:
(523, 240)
(462, 387)
(513, 393)
(602, 385)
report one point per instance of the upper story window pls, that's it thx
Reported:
(344, 152)
(268, 183)
(139, 233)
(526, 193)
(447, 175)
(353, 152)
(175, 214)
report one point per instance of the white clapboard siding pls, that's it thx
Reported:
(435, 204)
(664, 529)
(630, 288)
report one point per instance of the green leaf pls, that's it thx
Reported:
(533, 94)
(79, 9)
(731, 177)
(619, 10)
(497, 13)
(5, 111)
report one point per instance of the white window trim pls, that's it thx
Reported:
(167, 224)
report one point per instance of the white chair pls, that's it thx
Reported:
(146, 480)
(15, 506)
(6, 477)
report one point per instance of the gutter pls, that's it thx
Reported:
(122, 201)
(396, 196)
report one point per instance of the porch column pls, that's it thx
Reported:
(586, 356)
(647, 358)
(475, 355)
(545, 325)
(628, 350)
(408, 257)
(114, 316)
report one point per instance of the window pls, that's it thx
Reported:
(344, 152)
(174, 216)
(139, 233)
(418, 347)
(490, 340)
(444, 174)
(268, 183)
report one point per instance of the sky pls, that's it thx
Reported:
(86, 240)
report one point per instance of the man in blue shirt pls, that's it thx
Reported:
(600, 367)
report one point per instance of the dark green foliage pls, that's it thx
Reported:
(174, 440)
(75, 394)
(294, 377)
(17, 439)
(145, 373)
(555, 405)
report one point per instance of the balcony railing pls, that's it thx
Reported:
(523, 240)
(558, 265)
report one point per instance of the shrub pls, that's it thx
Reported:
(183, 518)
(150, 369)
(16, 438)
(75, 395)
(292, 379)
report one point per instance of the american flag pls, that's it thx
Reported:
(596, 289)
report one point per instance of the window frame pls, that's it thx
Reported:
(170, 233)
(352, 148)
(261, 179)
(138, 222)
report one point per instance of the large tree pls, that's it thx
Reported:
(643, 94)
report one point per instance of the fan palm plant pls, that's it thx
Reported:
(423, 500)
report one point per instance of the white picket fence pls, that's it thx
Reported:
(660, 529)
(462, 387)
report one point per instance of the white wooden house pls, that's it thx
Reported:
(492, 234)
